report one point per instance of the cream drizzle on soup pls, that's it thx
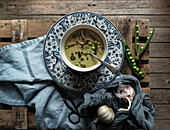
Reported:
(79, 45)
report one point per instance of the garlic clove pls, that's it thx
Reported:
(105, 114)
(102, 110)
(108, 119)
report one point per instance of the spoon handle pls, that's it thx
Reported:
(110, 67)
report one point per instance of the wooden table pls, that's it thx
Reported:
(13, 31)
(158, 58)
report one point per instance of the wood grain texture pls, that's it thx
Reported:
(125, 28)
(102, 7)
(5, 118)
(19, 30)
(159, 65)
(160, 50)
(159, 21)
(159, 81)
(31, 120)
(19, 114)
(162, 124)
(162, 112)
(5, 28)
(37, 28)
(161, 35)
(160, 96)
(19, 117)
(4, 44)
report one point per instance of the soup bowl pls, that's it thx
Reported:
(64, 40)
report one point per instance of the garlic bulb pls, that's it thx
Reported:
(127, 93)
(105, 114)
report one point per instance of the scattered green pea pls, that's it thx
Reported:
(127, 50)
(95, 42)
(90, 43)
(134, 67)
(76, 63)
(66, 47)
(137, 69)
(98, 43)
(130, 57)
(133, 60)
(93, 47)
(92, 52)
(134, 64)
(129, 53)
(98, 46)
(140, 72)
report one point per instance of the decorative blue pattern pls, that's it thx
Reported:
(70, 79)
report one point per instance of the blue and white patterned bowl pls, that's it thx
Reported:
(68, 33)
(90, 81)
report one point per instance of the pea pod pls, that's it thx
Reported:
(146, 44)
(136, 38)
(131, 61)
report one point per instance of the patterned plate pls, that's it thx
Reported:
(90, 81)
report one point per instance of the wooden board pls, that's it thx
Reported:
(19, 114)
(64, 7)
(36, 28)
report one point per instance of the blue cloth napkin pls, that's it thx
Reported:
(24, 81)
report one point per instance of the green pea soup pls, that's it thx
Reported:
(79, 45)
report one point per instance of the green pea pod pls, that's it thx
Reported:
(146, 44)
(131, 61)
(136, 37)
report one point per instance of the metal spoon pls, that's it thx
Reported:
(110, 67)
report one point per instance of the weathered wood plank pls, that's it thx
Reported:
(5, 29)
(143, 27)
(102, 7)
(159, 21)
(4, 44)
(31, 120)
(19, 117)
(19, 30)
(146, 90)
(19, 114)
(159, 65)
(161, 35)
(5, 118)
(162, 124)
(160, 96)
(159, 81)
(162, 112)
(125, 28)
(159, 49)
(37, 28)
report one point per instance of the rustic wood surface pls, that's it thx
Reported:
(22, 30)
(157, 11)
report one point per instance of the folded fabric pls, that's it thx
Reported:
(141, 112)
(25, 81)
